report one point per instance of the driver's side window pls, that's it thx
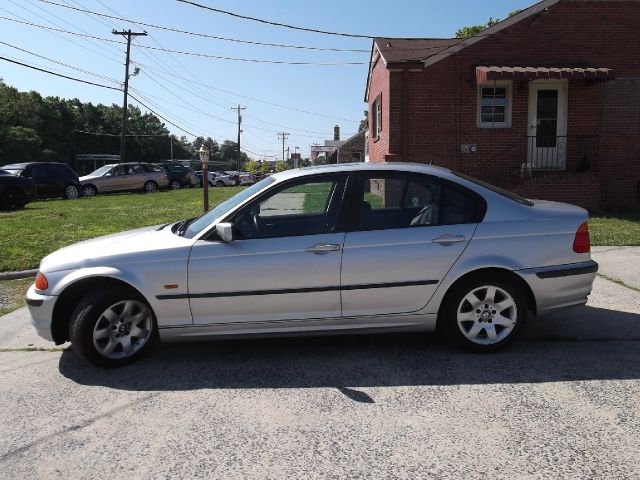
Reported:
(303, 208)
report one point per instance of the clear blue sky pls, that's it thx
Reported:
(329, 90)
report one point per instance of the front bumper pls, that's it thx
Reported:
(41, 310)
(560, 286)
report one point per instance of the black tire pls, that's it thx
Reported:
(71, 192)
(89, 191)
(219, 183)
(13, 199)
(175, 185)
(89, 312)
(150, 187)
(450, 324)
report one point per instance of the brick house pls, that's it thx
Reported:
(352, 150)
(545, 103)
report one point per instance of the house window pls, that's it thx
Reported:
(494, 104)
(376, 113)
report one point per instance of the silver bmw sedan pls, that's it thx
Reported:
(349, 248)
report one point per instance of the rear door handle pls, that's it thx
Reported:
(323, 248)
(448, 239)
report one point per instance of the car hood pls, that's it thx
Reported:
(141, 245)
(87, 178)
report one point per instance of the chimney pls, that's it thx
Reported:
(336, 133)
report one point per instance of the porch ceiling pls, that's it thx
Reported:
(486, 74)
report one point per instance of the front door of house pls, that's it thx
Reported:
(547, 133)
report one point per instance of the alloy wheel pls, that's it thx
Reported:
(122, 329)
(71, 192)
(88, 191)
(487, 315)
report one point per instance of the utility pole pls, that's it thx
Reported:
(128, 34)
(283, 136)
(239, 109)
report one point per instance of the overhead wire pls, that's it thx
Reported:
(273, 23)
(119, 17)
(58, 74)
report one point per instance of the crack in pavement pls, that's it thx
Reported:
(75, 428)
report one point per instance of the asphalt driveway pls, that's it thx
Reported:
(564, 402)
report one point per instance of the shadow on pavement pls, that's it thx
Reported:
(350, 362)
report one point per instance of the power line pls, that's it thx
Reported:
(61, 30)
(87, 72)
(236, 94)
(276, 24)
(160, 116)
(203, 35)
(253, 60)
(59, 74)
(196, 54)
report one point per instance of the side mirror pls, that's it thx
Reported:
(225, 231)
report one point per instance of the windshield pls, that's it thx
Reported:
(498, 190)
(101, 171)
(13, 171)
(205, 220)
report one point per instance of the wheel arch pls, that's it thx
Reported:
(507, 274)
(69, 298)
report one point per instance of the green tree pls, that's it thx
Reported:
(252, 167)
(281, 166)
(264, 167)
(471, 30)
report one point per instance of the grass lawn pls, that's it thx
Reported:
(26, 236)
(12, 294)
(615, 229)
(42, 227)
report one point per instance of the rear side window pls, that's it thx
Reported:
(391, 201)
(151, 168)
(138, 169)
(498, 190)
(457, 207)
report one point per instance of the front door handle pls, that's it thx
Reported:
(323, 248)
(448, 239)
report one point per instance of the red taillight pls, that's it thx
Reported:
(41, 282)
(581, 243)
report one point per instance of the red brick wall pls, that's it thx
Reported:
(442, 105)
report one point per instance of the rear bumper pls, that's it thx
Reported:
(560, 286)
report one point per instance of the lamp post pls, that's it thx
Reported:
(204, 158)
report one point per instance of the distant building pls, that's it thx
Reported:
(352, 150)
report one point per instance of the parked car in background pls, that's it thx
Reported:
(247, 178)
(15, 191)
(180, 176)
(218, 179)
(124, 177)
(51, 179)
(352, 248)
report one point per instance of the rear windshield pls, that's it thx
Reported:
(494, 189)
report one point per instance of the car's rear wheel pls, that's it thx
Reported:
(150, 187)
(89, 191)
(112, 327)
(219, 183)
(13, 199)
(485, 314)
(175, 185)
(71, 192)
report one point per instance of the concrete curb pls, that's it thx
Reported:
(17, 275)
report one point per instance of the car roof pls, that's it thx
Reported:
(26, 164)
(355, 167)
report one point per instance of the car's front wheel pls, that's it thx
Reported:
(150, 187)
(485, 314)
(12, 199)
(89, 191)
(219, 183)
(112, 328)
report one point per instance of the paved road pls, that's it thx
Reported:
(562, 403)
